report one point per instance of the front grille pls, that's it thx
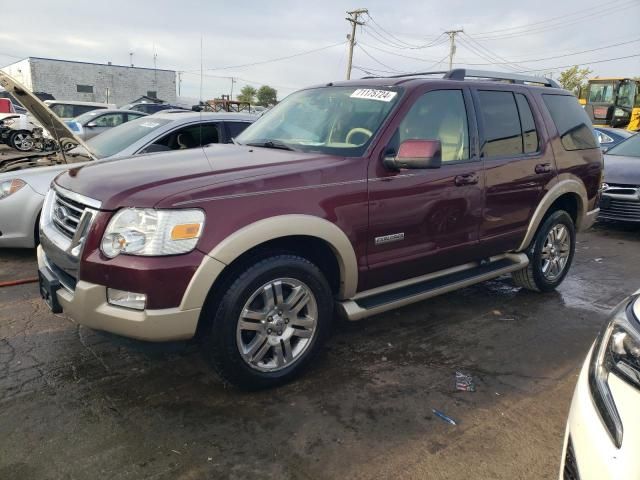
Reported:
(570, 465)
(621, 209)
(66, 214)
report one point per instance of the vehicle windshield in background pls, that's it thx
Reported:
(335, 120)
(601, 92)
(118, 138)
(629, 148)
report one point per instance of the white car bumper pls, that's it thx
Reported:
(18, 218)
(594, 455)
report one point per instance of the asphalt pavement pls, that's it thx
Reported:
(77, 403)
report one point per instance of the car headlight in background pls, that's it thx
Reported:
(150, 232)
(617, 351)
(7, 187)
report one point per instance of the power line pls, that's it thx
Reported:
(548, 20)
(427, 60)
(562, 24)
(581, 64)
(277, 59)
(493, 60)
(375, 59)
(492, 54)
(398, 41)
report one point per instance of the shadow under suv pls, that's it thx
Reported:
(358, 196)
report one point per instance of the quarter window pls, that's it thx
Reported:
(501, 124)
(573, 124)
(438, 115)
(528, 125)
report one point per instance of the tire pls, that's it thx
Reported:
(21, 141)
(272, 343)
(549, 262)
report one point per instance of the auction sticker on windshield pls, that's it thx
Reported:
(374, 94)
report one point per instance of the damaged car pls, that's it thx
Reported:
(25, 181)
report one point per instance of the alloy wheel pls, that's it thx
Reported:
(22, 141)
(555, 252)
(277, 324)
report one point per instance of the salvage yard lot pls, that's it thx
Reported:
(76, 403)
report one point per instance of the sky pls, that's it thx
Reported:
(401, 36)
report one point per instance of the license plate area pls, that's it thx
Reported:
(49, 286)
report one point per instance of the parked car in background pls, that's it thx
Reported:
(621, 187)
(610, 137)
(67, 109)
(95, 122)
(359, 196)
(602, 437)
(25, 182)
(16, 130)
(150, 108)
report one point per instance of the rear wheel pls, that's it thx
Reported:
(550, 255)
(21, 140)
(270, 322)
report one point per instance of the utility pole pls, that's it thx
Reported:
(179, 82)
(233, 80)
(452, 44)
(353, 18)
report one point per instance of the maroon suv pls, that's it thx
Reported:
(357, 197)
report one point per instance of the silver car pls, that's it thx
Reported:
(25, 181)
(95, 122)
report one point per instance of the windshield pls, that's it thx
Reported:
(118, 138)
(626, 94)
(629, 147)
(601, 92)
(334, 120)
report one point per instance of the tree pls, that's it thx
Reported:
(573, 78)
(267, 96)
(247, 94)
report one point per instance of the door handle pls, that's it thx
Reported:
(543, 168)
(466, 179)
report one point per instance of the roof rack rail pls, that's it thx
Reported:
(463, 73)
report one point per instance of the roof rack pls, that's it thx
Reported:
(463, 73)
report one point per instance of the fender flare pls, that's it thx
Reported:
(254, 234)
(565, 184)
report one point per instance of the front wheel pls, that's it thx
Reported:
(550, 254)
(270, 322)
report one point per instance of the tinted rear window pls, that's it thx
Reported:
(529, 133)
(573, 124)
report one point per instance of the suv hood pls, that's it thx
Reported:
(42, 113)
(145, 181)
(622, 170)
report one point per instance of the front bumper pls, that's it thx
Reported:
(594, 454)
(87, 304)
(624, 207)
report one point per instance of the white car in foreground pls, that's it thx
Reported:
(602, 440)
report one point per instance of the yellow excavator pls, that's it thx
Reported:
(613, 102)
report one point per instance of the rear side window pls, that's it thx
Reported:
(573, 124)
(529, 133)
(501, 124)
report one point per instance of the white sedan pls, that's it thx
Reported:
(602, 440)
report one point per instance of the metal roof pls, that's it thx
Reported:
(90, 63)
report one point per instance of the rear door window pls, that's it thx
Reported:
(190, 137)
(80, 109)
(501, 124)
(571, 121)
(109, 120)
(235, 128)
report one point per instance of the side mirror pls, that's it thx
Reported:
(416, 154)
(92, 124)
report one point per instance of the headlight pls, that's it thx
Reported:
(8, 122)
(151, 232)
(8, 187)
(617, 351)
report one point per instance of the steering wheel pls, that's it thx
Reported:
(353, 131)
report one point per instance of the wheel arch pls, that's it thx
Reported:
(568, 193)
(277, 234)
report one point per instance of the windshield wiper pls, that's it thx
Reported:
(272, 144)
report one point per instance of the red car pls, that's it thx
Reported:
(356, 197)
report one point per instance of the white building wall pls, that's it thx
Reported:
(61, 79)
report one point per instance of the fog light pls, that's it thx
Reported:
(121, 298)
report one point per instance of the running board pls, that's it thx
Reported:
(399, 294)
